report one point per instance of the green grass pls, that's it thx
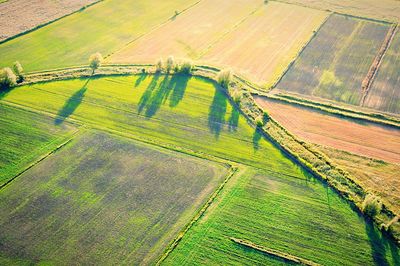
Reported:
(104, 27)
(176, 110)
(300, 217)
(336, 61)
(102, 200)
(25, 137)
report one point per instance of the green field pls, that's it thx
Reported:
(279, 207)
(169, 109)
(71, 40)
(298, 216)
(384, 94)
(25, 137)
(102, 200)
(336, 61)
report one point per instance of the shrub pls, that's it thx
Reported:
(186, 67)
(170, 64)
(7, 78)
(177, 68)
(95, 61)
(224, 77)
(237, 95)
(19, 71)
(372, 205)
(159, 65)
(259, 122)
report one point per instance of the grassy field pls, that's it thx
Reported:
(383, 9)
(71, 40)
(25, 137)
(102, 200)
(384, 95)
(189, 35)
(169, 109)
(298, 216)
(379, 176)
(354, 136)
(263, 45)
(337, 60)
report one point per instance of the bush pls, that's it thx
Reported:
(186, 67)
(7, 78)
(372, 205)
(259, 122)
(159, 65)
(224, 77)
(19, 71)
(170, 64)
(95, 61)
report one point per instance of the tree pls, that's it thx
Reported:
(170, 64)
(19, 71)
(95, 61)
(186, 67)
(372, 205)
(224, 77)
(7, 78)
(159, 65)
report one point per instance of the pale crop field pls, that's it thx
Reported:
(190, 34)
(263, 46)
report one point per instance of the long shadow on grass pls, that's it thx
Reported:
(256, 139)
(234, 119)
(142, 76)
(4, 90)
(216, 115)
(377, 244)
(71, 104)
(171, 87)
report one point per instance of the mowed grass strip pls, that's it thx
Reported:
(363, 138)
(189, 34)
(25, 137)
(335, 62)
(104, 27)
(300, 217)
(384, 94)
(179, 110)
(262, 47)
(103, 200)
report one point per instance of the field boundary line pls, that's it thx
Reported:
(49, 22)
(301, 50)
(200, 214)
(42, 158)
(152, 30)
(375, 66)
(274, 253)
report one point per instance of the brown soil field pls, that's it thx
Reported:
(363, 138)
(189, 34)
(17, 16)
(382, 9)
(263, 46)
(376, 175)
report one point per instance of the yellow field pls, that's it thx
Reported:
(189, 34)
(264, 45)
(254, 39)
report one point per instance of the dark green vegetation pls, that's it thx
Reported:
(298, 216)
(337, 60)
(102, 200)
(179, 110)
(384, 95)
(105, 28)
(25, 137)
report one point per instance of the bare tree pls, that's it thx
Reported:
(95, 61)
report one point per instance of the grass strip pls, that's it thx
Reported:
(273, 252)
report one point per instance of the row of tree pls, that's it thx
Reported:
(10, 77)
(171, 65)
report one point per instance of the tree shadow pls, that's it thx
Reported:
(233, 119)
(377, 245)
(216, 115)
(158, 97)
(142, 76)
(147, 93)
(71, 104)
(178, 84)
(4, 90)
(256, 139)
